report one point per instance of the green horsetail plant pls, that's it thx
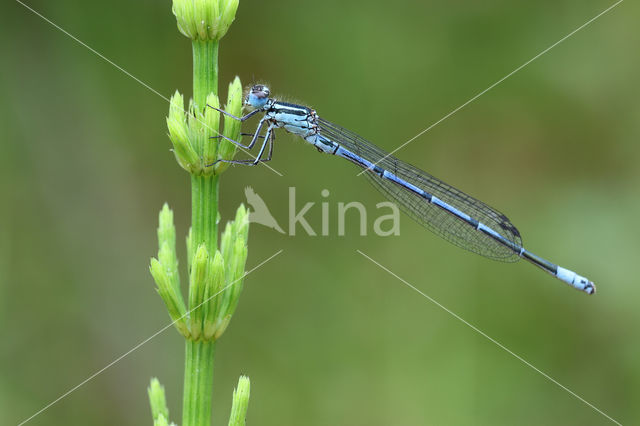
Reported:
(215, 273)
(191, 131)
(158, 402)
(240, 402)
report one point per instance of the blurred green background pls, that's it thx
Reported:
(326, 336)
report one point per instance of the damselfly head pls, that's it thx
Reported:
(257, 96)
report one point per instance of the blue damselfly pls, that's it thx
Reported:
(444, 210)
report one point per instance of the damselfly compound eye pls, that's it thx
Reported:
(258, 96)
(261, 88)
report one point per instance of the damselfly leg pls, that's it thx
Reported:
(241, 134)
(269, 138)
(241, 119)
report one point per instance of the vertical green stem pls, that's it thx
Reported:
(198, 383)
(205, 70)
(198, 366)
(204, 212)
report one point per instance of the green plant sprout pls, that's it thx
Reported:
(215, 271)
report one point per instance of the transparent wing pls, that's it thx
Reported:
(430, 216)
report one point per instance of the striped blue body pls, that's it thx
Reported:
(444, 210)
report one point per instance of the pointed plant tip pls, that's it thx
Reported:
(244, 387)
(158, 401)
(213, 100)
(165, 217)
(235, 86)
(240, 402)
(202, 252)
(158, 273)
(234, 97)
(217, 258)
(176, 103)
(244, 382)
